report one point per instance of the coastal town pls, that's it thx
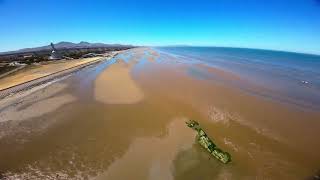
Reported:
(20, 67)
(64, 51)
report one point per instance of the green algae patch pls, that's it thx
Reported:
(208, 144)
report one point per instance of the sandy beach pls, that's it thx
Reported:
(126, 120)
(41, 70)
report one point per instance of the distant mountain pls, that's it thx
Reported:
(66, 45)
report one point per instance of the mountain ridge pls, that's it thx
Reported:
(65, 45)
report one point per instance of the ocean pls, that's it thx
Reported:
(292, 78)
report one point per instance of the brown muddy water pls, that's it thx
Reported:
(124, 119)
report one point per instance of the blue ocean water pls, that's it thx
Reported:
(288, 77)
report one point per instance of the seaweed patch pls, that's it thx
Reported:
(208, 144)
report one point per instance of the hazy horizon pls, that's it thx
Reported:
(272, 25)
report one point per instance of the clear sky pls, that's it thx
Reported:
(292, 25)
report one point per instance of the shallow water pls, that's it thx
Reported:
(288, 77)
(93, 138)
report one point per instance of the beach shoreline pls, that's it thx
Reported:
(10, 87)
(96, 123)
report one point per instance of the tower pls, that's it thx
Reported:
(54, 53)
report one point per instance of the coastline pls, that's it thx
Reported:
(9, 88)
(88, 126)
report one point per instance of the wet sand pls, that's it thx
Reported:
(100, 130)
(116, 86)
(155, 155)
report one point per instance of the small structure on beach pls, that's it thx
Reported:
(54, 53)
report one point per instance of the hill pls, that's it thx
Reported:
(67, 45)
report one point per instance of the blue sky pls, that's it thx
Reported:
(292, 25)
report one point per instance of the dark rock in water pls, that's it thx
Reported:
(208, 144)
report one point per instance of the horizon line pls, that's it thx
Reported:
(180, 45)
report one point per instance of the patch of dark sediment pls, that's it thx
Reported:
(195, 163)
(316, 176)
